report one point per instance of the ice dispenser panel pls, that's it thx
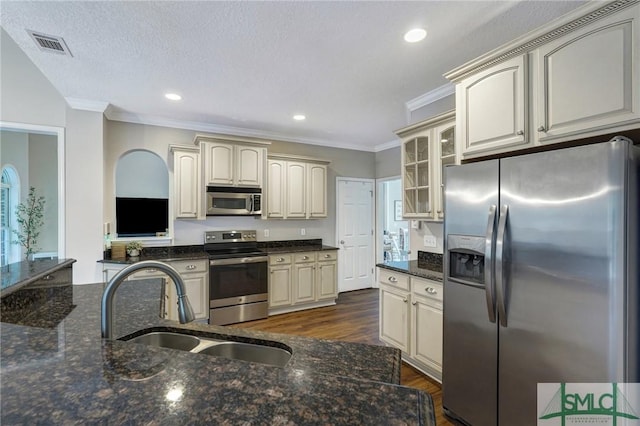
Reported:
(466, 259)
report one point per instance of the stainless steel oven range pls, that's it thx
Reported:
(238, 277)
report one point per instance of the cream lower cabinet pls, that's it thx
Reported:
(195, 275)
(302, 280)
(574, 79)
(411, 319)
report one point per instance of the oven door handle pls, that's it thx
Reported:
(238, 260)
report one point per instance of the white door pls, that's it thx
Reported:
(354, 224)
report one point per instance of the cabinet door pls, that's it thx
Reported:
(416, 182)
(296, 193)
(326, 281)
(280, 286)
(197, 289)
(426, 333)
(492, 108)
(218, 164)
(394, 318)
(444, 147)
(588, 79)
(249, 166)
(304, 282)
(276, 188)
(317, 190)
(186, 179)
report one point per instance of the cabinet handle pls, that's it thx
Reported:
(151, 271)
(393, 279)
(404, 300)
(305, 257)
(280, 259)
(542, 129)
(520, 132)
(190, 267)
(429, 212)
(439, 211)
(431, 290)
(326, 256)
(47, 277)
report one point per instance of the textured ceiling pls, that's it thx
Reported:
(247, 67)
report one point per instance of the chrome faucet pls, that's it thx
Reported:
(185, 312)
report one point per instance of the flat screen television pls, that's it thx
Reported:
(141, 217)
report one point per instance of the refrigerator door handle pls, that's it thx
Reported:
(499, 270)
(489, 282)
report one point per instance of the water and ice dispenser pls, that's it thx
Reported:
(466, 259)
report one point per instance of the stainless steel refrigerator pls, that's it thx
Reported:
(541, 278)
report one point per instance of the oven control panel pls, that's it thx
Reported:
(212, 237)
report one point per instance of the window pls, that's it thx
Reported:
(9, 196)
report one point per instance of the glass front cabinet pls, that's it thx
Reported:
(427, 147)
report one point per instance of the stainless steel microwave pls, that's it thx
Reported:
(226, 201)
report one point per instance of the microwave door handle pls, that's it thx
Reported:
(489, 267)
(250, 203)
(500, 251)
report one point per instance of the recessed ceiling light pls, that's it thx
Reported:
(415, 35)
(299, 117)
(172, 96)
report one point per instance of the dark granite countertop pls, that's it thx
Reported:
(411, 267)
(62, 372)
(19, 274)
(164, 257)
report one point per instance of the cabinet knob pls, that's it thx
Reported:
(341, 241)
(431, 290)
(439, 211)
(326, 256)
(414, 303)
(305, 257)
(429, 212)
(404, 300)
(520, 132)
(542, 129)
(393, 279)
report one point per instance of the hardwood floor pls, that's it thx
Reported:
(354, 318)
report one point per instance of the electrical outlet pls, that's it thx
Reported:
(430, 241)
(303, 231)
(266, 232)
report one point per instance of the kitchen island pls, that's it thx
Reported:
(62, 371)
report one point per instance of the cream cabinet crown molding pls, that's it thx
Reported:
(245, 140)
(174, 148)
(88, 105)
(590, 12)
(429, 122)
(291, 157)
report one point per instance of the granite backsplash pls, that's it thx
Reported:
(429, 260)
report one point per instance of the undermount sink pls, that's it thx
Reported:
(250, 352)
(183, 342)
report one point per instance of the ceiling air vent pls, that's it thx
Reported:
(50, 43)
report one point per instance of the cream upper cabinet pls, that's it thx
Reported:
(427, 147)
(588, 79)
(233, 165)
(187, 190)
(317, 190)
(296, 187)
(491, 108)
(232, 160)
(572, 79)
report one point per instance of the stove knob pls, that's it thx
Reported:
(253, 235)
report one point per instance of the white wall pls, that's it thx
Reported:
(416, 238)
(84, 194)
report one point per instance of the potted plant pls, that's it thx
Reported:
(134, 248)
(29, 216)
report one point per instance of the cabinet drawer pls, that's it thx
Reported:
(145, 274)
(427, 288)
(304, 257)
(327, 255)
(394, 279)
(279, 259)
(190, 266)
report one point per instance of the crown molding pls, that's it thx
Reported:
(387, 145)
(150, 120)
(430, 97)
(87, 104)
